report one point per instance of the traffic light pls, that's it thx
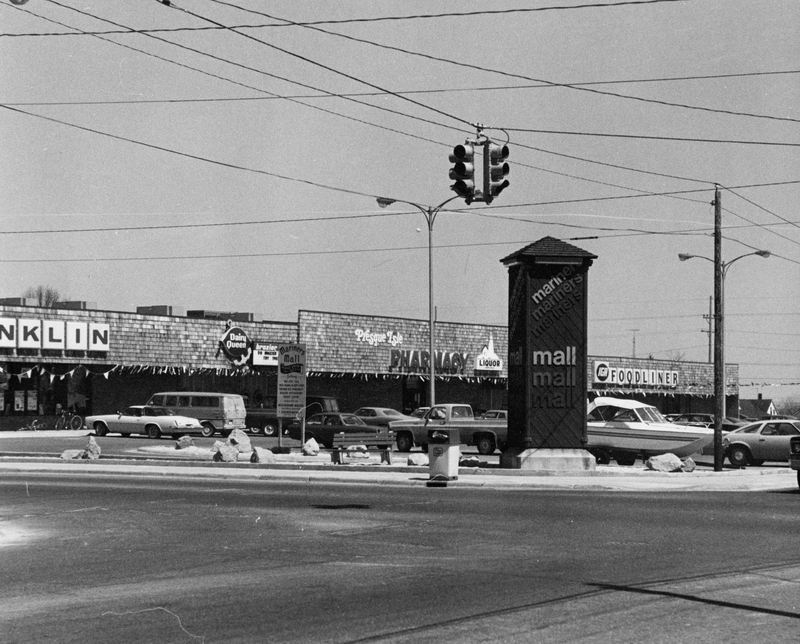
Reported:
(463, 171)
(495, 170)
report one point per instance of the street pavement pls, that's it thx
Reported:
(166, 461)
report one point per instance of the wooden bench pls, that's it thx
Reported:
(383, 440)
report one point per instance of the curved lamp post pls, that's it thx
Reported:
(720, 271)
(429, 212)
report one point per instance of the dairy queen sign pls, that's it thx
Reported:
(235, 344)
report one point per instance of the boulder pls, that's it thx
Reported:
(224, 453)
(357, 448)
(688, 465)
(420, 459)
(183, 442)
(92, 450)
(262, 455)
(469, 461)
(71, 454)
(240, 441)
(664, 463)
(310, 447)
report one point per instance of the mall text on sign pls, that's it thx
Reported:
(291, 379)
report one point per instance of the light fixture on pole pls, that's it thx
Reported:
(429, 212)
(720, 271)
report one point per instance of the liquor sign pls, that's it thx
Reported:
(291, 380)
(547, 320)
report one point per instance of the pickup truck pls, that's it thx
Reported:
(264, 420)
(794, 455)
(486, 434)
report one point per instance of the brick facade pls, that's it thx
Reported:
(361, 359)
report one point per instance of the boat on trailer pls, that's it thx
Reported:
(623, 429)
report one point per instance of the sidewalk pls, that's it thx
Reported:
(165, 462)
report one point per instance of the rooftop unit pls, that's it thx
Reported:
(221, 315)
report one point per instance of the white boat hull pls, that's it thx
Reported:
(651, 439)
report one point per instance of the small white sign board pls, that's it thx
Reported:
(291, 379)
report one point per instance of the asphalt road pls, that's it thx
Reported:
(99, 559)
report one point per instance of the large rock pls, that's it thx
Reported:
(420, 459)
(71, 454)
(92, 450)
(262, 455)
(184, 442)
(240, 441)
(311, 447)
(664, 463)
(469, 461)
(224, 453)
(688, 465)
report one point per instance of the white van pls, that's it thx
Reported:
(217, 412)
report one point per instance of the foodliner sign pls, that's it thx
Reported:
(605, 374)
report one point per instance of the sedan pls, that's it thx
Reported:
(501, 414)
(764, 440)
(144, 419)
(322, 427)
(695, 419)
(380, 416)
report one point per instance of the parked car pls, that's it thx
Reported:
(380, 416)
(322, 427)
(144, 419)
(696, 419)
(763, 440)
(495, 413)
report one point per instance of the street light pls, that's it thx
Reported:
(429, 213)
(720, 271)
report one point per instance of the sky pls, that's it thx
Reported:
(228, 156)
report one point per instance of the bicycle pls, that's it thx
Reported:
(69, 420)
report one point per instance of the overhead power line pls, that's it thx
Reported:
(342, 21)
(509, 74)
(270, 96)
(321, 65)
(652, 137)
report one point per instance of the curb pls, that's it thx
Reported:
(778, 479)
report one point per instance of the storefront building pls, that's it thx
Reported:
(100, 361)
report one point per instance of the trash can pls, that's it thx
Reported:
(443, 455)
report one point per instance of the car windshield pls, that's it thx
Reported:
(391, 412)
(352, 420)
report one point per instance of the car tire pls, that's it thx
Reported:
(100, 429)
(625, 459)
(208, 430)
(153, 431)
(404, 442)
(269, 430)
(486, 445)
(739, 455)
(798, 478)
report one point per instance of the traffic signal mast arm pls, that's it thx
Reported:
(495, 170)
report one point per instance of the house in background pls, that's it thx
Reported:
(755, 409)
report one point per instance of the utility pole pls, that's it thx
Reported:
(710, 330)
(719, 334)
(634, 341)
